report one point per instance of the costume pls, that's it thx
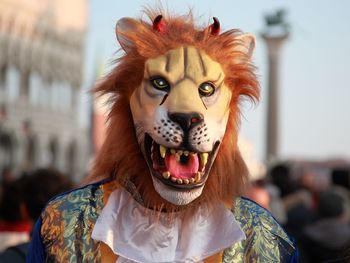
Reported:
(171, 158)
(265, 239)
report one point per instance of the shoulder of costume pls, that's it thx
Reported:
(90, 195)
(265, 238)
(247, 211)
(65, 218)
(74, 199)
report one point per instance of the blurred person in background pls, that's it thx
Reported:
(35, 191)
(267, 195)
(340, 182)
(258, 193)
(14, 228)
(276, 205)
(7, 176)
(297, 200)
(341, 177)
(329, 237)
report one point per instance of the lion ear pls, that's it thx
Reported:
(125, 27)
(247, 44)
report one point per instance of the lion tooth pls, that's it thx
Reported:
(186, 181)
(204, 158)
(198, 177)
(173, 179)
(178, 157)
(162, 151)
(186, 153)
(179, 181)
(173, 151)
(166, 175)
(192, 180)
(179, 152)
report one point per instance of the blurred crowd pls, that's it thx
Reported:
(316, 217)
(22, 198)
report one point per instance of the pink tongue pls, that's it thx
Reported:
(179, 170)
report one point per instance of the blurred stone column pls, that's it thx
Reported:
(275, 34)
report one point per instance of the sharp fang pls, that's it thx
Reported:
(204, 158)
(198, 177)
(162, 151)
(173, 179)
(166, 175)
(186, 153)
(186, 181)
(179, 181)
(180, 152)
(177, 156)
(192, 180)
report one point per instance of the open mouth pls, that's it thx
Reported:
(178, 168)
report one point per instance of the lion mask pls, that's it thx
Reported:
(175, 110)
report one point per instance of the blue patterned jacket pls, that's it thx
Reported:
(63, 233)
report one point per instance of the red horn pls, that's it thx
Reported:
(159, 24)
(214, 28)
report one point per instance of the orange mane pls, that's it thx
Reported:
(121, 157)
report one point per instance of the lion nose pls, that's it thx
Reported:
(186, 120)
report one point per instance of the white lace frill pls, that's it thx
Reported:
(136, 234)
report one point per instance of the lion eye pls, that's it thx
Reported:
(160, 83)
(206, 89)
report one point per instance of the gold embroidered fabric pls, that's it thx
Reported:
(265, 240)
(68, 221)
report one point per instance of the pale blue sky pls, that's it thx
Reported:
(315, 66)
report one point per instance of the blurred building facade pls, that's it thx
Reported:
(41, 73)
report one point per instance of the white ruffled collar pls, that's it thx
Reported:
(135, 235)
